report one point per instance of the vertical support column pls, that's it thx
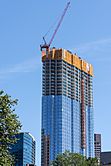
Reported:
(83, 119)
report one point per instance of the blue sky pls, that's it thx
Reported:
(85, 30)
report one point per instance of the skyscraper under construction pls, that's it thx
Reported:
(67, 105)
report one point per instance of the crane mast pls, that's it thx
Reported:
(47, 46)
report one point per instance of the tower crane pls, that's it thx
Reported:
(46, 45)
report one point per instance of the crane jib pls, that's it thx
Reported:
(45, 45)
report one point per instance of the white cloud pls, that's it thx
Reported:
(94, 45)
(95, 51)
(24, 67)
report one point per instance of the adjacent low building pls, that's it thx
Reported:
(105, 158)
(24, 149)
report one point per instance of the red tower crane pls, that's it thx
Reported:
(46, 45)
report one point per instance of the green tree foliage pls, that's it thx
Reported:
(92, 161)
(73, 159)
(9, 127)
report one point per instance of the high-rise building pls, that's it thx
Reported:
(24, 149)
(97, 146)
(67, 105)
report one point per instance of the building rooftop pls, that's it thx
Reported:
(69, 57)
(106, 158)
(28, 134)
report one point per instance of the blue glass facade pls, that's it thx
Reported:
(62, 122)
(56, 117)
(76, 127)
(24, 149)
(90, 131)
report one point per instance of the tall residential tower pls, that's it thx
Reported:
(67, 105)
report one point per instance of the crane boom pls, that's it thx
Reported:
(47, 46)
(59, 23)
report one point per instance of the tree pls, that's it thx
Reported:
(69, 159)
(73, 159)
(9, 127)
(92, 161)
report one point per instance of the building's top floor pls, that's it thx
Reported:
(97, 137)
(26, 134)
(67, 56)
